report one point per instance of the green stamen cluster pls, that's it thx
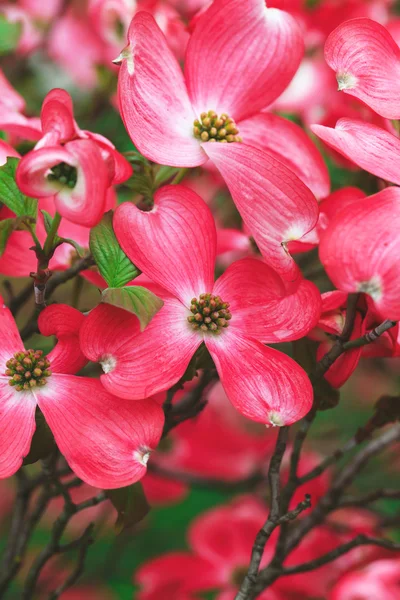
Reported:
(210, 313)
(28, 369)
(212, 128)
(64, 174)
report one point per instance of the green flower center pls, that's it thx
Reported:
(28, 369)
(64, 174)
(209, 314)
(213, 128)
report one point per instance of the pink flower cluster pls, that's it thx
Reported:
(217, 114)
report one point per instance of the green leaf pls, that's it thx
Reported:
(79, 250)
(11, 196)
(114, 266)
(131, 505)
(7, 226)
(48, 221)
(135, 299)
(9, 35)
(163, 174)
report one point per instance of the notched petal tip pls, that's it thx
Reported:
(126, 54)
(346, 81)
(275, 420)
(108, 363)
(142, 456)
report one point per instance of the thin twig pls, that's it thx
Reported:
(191, 405)
(61, 277)
(83, 543)
(19, 300)
(272, 522)
(359, 540)
(328, 503)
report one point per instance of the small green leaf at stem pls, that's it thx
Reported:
(10, 194)
(131, 505)
(135, 299)
(7, 226)
(114, 266)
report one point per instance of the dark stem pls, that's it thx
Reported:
(272, 522)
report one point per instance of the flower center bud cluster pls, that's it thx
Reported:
(212, 128)
(28, 369)
(64, 174)
(209, 314)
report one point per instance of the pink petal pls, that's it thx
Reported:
(153, 361)
(345, 365)
(105, 330)
(337, 201)
(33, 168)
(5, 151)
(286, 209)
(360, 250)
(175, 575)
(241, 56)
(366, 61)
(263, 384)
(370, 147)
(174, 243)
(17, 259)
(20, 126)
(10, 339)
(154, 103)
(290, 144)
(17, 426)
(57, 115)
(65, 323)
(10, 98)
(85, 203)
(105, 440)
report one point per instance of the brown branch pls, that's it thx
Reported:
(83, 543)
(330, 502)
(19, 300)
(360, 540)
(54, 545)
(191, 405)
(337, 349)
(272, 522)
(61, 277)
(332, 498)
(369, 498)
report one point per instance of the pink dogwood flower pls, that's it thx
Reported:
(379, 579)
(366, 60)
(175, 245)
(228, 82)
(106, 441)
(76, 167)
(370, 147)
(360, 250)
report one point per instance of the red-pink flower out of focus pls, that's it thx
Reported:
(175, 245)
(105, 441)
(224, 74)
(221, 541)
(378, 580)
(75, 167)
